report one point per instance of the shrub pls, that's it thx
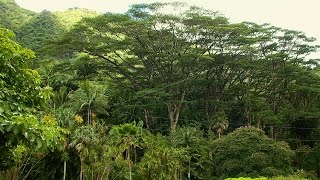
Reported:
(249, 152)
(246, 178)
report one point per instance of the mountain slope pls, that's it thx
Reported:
(32, 29)
(12, 16)
(47, 25)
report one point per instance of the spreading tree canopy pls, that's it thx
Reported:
(196, 60)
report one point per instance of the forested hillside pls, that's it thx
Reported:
(12, 16)
(149, 94)
(46, 26)
(34, 30)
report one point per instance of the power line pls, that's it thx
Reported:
(302, 140)
(166, 130)
(156, 90)
(236, 124)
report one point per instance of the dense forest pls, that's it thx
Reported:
(149, 94)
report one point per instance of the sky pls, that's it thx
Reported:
(290, 14)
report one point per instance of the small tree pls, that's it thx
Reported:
(22, 101)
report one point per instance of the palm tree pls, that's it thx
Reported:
(82, 140)
(162, 160)
(192, 141)
(130, 136)
(221, 123)
(89, 99)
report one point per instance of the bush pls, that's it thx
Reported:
(246, 178)
(299, 175)
(308, 159)
(249, 152)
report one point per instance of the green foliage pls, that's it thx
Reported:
(198, 59)
(274, 178)
(21, 101)
(46, 26)
(308, 158)
(35, 30)
(12, 16)
(161, 160)
(72, 16)
(196, 148)
(40, 29)
(300, 174)
(247, 151)
(89, 100)
(89, 142)
(20, 85)
(171, 71)
(244, 178)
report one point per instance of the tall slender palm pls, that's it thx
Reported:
(89, 99)
(82, 140)
(221, 123)
(130, 136)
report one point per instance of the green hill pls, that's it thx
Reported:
(71, 16)
(47, 25)
(32, 29)
(40, 28)
(12, 16)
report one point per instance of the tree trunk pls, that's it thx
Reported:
(128, 159)
(11, 174)
(174, 110)
(88, 115)
(189, 170)
(81, 169)
(149, 119)
(247, 112)
(259, 123)
(64, 170)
